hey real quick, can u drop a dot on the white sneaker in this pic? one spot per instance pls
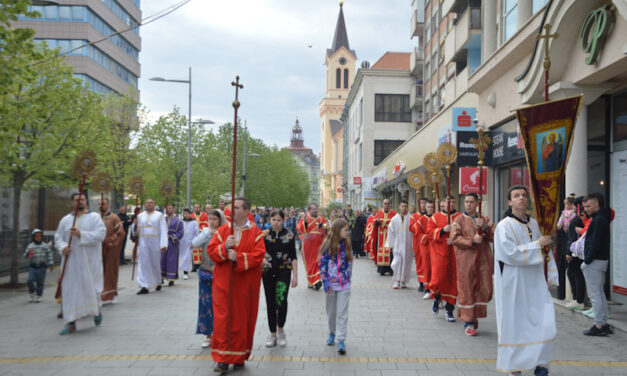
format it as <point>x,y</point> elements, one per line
<point>32,298</point>
<point>396,285</point>
<point>427,296</point>
<point>37,299</point>
<point>403,285</point>
<point>206,343</point>
<point>115,299</point>
<point>271,341</point>
<point>572,303</point>
<point>185,276</point>
<point>282,340</point>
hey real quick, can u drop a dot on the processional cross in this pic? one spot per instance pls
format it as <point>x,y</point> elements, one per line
<point>481,143</point>
<point>547,59</point>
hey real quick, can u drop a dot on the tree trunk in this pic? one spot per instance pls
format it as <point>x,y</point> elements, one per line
<point>15,247</point>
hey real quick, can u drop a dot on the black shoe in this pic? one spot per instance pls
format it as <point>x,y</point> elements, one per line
<point>436,306</point>
<point>594,331</point>
<point>142,291</point>
<point>60,315</point>
<point>421,288</point>
<point>158,288</point>
<point>184,272</point>
<point>608,328</point>
<point>221,368</point>
<point>238,366</point>
<point>317,285</point>
<point>171,283</point>
<point>122,262</point>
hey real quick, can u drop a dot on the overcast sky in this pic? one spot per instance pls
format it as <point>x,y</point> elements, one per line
<point>266,43</point>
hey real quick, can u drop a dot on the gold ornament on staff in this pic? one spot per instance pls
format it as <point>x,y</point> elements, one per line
<point>166,190</point>
<point>416,180</point>
<point>432,163</point>
<point>102,183</point>
<point>136,186</point>
<point>481,143</point>
<point>448,155</point>
<point>83,165</point>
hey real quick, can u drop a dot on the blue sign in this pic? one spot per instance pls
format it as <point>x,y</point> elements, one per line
<point>463,118</point>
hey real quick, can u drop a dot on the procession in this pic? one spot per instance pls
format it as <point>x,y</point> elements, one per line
<point>461,214</point>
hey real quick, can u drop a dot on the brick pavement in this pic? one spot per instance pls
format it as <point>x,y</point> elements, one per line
<point>390,332</point>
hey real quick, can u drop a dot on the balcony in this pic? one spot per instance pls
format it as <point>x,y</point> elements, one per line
<point>465,34</point>
<point>417,22</point>
<point>416,96</point>
<point>416,61</point>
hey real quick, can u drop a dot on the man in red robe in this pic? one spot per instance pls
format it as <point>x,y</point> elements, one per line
<point>238,259</point>
<point>202,219</point>
<point>418,232</point>
<point>312,233</point>
<point>443,283</point>
<point>368,237</point>
<point>378,234</point>
<point>425,248</point>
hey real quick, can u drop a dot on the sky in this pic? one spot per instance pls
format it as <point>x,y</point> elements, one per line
<point>277,47</point>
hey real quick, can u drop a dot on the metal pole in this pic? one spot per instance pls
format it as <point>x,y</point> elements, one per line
<point>243,193</point>
<point>189,144</point>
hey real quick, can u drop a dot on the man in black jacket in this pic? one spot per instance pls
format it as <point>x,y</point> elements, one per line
<point>358,229</point>
<point>596,256</point>
<point>126,223</point>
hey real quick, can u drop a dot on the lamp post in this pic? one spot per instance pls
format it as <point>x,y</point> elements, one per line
<point>243,191</point>
<point>189,132</point>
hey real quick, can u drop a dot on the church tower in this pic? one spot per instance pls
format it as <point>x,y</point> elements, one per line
<point>340,63</point>
<point>297,141</point>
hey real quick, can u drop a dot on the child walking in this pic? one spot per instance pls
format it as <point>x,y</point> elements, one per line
<point>336,267</point>
<point>40,257</point>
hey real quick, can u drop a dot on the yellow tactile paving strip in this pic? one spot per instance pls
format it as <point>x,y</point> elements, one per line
<point>304,359</point>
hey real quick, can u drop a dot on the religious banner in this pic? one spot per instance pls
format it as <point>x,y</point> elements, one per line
<point>547,130</point>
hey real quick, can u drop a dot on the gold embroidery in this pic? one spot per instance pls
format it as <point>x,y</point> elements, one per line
<point>230,352</point>
<point>245,261</point>
<point>526,344</point>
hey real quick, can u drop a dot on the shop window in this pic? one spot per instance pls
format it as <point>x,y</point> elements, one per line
<point>383,148</point>
<point>392,108</point>
<point>620,117</point>
<point>516,174</point>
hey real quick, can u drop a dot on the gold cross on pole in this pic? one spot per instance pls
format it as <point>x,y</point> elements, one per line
<point>547,59</point>
<point>481,143</point>
<point>237,87</point>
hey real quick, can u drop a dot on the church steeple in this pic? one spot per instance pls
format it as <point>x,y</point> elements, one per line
<point>340,38</point>
<point>297,140</point>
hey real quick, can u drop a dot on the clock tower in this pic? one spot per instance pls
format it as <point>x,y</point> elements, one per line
<point>340,71</point>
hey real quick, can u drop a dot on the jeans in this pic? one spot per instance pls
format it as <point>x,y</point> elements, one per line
<point>337,312</point>
<point>595,278</point>
<point>36,279</point>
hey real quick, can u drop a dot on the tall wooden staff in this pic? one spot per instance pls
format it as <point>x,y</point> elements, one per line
<point>83,165</point>
<point>481,144</point>
<point>235,107</point>
<point>448,155</point>
<point>136,185</point>
<point>102,183</point>
<point>433,163</point>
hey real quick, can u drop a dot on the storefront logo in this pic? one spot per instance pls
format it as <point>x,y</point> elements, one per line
<point>462,118</point>
<point>595,29</point>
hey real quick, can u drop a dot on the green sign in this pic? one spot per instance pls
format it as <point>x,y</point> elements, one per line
<point>595,29</point>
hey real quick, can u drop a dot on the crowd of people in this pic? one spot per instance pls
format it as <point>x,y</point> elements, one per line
<point>234,249</point>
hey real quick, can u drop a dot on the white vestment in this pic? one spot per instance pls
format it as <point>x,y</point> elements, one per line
<point>190,231</point>
<point>153,235</point>
<point>525,315</point>
<point>400,240</point>
<point>83,279</point>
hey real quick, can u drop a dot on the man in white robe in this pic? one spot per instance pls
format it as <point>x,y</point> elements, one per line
<point>399,240</point>
<point>190,231</point>
<point>153,240</point>
<point>82,282</point>
<point>525,315</point>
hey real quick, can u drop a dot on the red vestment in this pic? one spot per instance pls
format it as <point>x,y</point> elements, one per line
<point>312,234</point>
<point>474,267</point>
<point>443,267</point>
<point>368,239</point>
<point>203,221</point>
<point>246,280</point>
<point>415,227</point>
<point>425,249</point>
<point>377,235</point>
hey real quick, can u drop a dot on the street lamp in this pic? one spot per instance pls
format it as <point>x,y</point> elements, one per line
<point>189,132</point>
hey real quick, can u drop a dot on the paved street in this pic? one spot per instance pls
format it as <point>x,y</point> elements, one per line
<point>390,332</point>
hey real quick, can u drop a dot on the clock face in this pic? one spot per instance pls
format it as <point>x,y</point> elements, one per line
<point>342,60</point>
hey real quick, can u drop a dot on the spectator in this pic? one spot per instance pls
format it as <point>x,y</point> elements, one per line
<point>358,229</point>
<point>40,257</point>
<point>126,222</point>
<point>575,275</point>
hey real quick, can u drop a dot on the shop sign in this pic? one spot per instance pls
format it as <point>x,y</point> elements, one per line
<point>507,144</point>
<point>399,168</point>
<point>380,178</point>
<point>596,28</point>
<point>469,180</point>
<point>463,118</point>
<point>357,180</point>
<point>371,196</point>
<point>467,155</point>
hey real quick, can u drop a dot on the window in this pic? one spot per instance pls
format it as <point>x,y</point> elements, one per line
<point>345,78</point>
<point>383,148</point>
<point>510,15</point>
<point>475,18</point>
<point>392,107</point>
<point>338,78</point>
<point>538,4</point>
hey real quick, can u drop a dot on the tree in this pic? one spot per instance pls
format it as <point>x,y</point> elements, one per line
<point>47,117</point>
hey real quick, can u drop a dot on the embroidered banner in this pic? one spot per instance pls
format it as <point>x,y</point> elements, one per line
<point>547,131</point>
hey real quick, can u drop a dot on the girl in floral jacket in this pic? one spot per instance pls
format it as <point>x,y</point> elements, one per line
<point>336,267</point>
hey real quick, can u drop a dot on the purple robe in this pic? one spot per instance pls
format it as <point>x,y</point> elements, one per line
<point>170,259</point>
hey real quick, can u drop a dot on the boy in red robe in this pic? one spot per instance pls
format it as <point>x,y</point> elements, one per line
<point>443,283</point>
<point>240,254</point>
<point>418,231</point>
<point>425,248</point>
<point>312,232</point>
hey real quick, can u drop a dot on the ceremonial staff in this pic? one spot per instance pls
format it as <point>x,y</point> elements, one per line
<point>102,184</point>
<point>432,163</point>
<point>481,144</point>
<point>235,107</point>
<point>83,165</point>
<point>137,187</point>
<point>166,191</point>
<point>447,153</point>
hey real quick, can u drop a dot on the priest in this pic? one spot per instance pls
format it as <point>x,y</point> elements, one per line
<point>378,234</point>
<point>170,258</point>
<point>239,257</point>
<point>417,226</point>
<point>152,234</point>
<point>443,284</point>
<point>111,247</point>
<point>82,282</point>
<point>471,236</point>
<point>311,229</point>
<point>525,315</point>
<point>399,242</point>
